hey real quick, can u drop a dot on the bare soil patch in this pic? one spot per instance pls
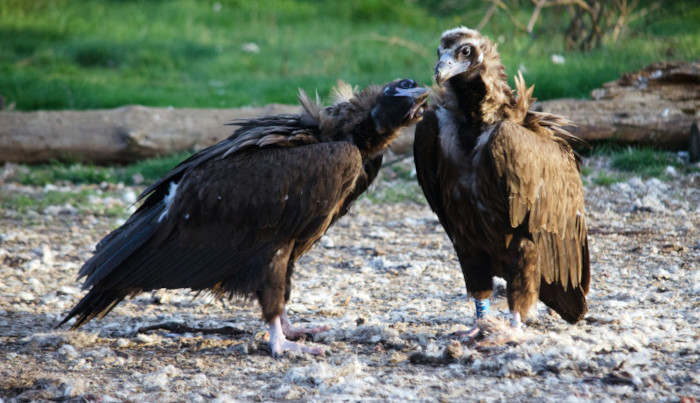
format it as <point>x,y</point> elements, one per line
<point>388,283</point>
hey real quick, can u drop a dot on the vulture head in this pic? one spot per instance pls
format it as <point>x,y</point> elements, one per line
<point>373,117</point>
<point>401,103</point>
<point>461,52</point>
<point>469,65</point>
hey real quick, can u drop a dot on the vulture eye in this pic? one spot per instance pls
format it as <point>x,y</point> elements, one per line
<point>407,84</point>
<point>465,51</point>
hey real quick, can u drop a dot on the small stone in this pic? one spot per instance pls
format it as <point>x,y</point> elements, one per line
<point>46,255</point>
<point>397,357</point>
<point>25,297</point>
<point>144,338</point>
<point>66,290</point>
<point>137,178</point>
<point>129,196</point>
<point>68,351</point>
<point>558,59</point>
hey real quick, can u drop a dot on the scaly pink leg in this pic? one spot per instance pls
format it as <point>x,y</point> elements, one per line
<point>488,332</point>
<point>471,333</point>
<point>279,344</point>
<point>294,333</point>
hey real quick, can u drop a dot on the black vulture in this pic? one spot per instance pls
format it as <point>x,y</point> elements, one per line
<point>504,182</point>
<point>233,218</point>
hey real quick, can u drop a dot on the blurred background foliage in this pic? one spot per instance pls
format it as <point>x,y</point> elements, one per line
<point>68,54</point>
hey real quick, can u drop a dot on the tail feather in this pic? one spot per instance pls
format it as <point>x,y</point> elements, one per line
<point>570,304</point>
<point>120,244</point>
<point>111,252</point>
<point>92,305</point>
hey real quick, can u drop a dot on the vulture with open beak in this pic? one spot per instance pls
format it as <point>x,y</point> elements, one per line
<point>504,183</point>
<point>233,218</point>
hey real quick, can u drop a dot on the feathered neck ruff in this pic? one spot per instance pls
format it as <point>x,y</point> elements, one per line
<point>349,118</point>
<point>485,98</point>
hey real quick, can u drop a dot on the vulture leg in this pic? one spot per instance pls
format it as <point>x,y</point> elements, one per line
<point>291,332</point>
<point>478,274</point>
<point>294,333</point>
<point>478,277</point>
<point>273,295</point>
<point>522,277</point>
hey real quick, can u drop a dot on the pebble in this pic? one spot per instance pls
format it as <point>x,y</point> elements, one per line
<point>145,338</point>
<point>46,255</point>
<point>67,290</point>
<point>68,351</point>
<point>129,196</point>
<point>640,325</point>
<point>25,297</point>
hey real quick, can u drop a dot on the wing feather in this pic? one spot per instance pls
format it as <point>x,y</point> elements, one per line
<point>543,186</point>
<point>425,153</point>
<point>227,219</point>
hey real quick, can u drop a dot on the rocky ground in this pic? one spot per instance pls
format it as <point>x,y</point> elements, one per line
<point>387,281</point>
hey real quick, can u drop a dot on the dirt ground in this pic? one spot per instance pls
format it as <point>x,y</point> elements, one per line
<point>388,283</point>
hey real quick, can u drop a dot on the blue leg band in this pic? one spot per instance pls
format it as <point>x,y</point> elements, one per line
<point>483,307</point>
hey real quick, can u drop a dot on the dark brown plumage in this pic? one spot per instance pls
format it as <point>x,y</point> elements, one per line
<point>233,218</point>
<point>504,182</point>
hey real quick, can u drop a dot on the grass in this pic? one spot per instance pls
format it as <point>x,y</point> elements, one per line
<point>93,177</point>
<point>83,201</point>
<point>643,162</point>
<point>145,171</point>
<point>394,192</point>
<point>604,178</point>
<point>63,54</point>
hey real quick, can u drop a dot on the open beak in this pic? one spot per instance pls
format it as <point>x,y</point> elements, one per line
<point>447,68</point>
<point>419,95</point>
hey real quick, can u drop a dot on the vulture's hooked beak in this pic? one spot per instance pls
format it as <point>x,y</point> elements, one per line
<point>447,68</point>
<point>419,96</point>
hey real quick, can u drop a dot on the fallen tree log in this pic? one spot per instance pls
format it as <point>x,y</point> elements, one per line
<point>655,106</point>
<point>119,135</point>
<point>646,123</point>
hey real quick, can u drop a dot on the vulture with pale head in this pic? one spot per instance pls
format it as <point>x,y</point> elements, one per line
<point>504,183</point>
<point>233,218</point>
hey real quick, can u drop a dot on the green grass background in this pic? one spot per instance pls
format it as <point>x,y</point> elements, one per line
<point>86,54</point>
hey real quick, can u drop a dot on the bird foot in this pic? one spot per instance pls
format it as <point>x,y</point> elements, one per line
<point>491,332</point>
<point>294,333</point>
<point>472,336</point>
<point>278,338</point>
<point>471,333</point>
